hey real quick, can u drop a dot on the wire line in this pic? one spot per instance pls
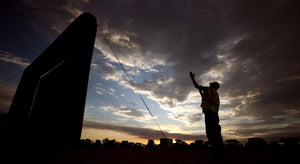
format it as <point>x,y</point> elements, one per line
<point>132,83</point>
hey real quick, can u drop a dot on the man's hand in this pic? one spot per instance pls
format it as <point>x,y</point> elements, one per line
<point>192,75</point>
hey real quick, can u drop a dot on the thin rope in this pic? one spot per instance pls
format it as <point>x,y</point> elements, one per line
<point>121,65</point>
<point>131,82</point>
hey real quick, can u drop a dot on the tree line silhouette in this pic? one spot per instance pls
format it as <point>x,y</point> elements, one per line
<point>253,144</point>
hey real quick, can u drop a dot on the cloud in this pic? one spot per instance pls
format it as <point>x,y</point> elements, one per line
<point>188,118</point>
<point>99,90</point>
<point>252,54</point>
<point>291,78</point>
<point>6,96</point>
<point>139,115</point>
<point>251,47</point>
<point>267,129</point>
<point>57,14</point>
<point>145,133</point>
<point>152,50</point>
<point>189,114</point>
<point>12,58</point>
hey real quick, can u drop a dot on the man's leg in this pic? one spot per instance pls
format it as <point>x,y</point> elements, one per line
<point>210,128</point>
<point>213,132</point>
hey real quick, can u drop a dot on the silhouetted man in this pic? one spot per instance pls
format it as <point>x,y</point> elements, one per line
<point>210,105</point>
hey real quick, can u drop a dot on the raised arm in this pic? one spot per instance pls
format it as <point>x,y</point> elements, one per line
<point>192,75</point>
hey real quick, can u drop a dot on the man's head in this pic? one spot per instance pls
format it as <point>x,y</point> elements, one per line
<point>215,85</point>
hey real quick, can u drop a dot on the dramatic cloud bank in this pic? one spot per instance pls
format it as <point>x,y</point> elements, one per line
<point>145,133</point>
<point>250,47</point>
<point>12,58</point>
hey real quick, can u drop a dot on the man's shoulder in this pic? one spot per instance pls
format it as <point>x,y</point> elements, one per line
<point>203,88</point>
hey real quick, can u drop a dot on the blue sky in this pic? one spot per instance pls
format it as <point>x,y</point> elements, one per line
<point>250,47</point>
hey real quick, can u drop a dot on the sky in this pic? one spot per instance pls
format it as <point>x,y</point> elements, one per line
<point>251,47</point>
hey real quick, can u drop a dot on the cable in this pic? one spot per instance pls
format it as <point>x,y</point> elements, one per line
<point>131,82</point>
<point>121,65</point>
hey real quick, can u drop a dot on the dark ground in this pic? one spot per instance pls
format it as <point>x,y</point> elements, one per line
<point>134,156</point>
